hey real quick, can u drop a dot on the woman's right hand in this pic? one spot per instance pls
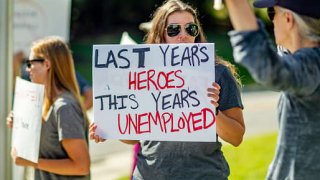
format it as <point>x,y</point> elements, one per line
<point>92,133</point>
<point>213,94</point>
<point>10,120</point>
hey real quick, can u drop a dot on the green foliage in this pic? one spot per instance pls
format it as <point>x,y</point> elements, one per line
<point>251,159</point>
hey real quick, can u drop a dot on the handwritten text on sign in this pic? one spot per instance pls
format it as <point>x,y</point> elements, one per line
<point>27,110</point>
<point>154,92</point>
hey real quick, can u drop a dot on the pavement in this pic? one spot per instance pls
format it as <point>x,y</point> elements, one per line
<point>112,159</point>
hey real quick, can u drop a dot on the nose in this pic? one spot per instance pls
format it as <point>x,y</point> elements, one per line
<point>183,32</point>
<point>182,35</point>
<point>28,69</point>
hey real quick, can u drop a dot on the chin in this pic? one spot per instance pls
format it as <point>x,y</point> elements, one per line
<point>35,81</point>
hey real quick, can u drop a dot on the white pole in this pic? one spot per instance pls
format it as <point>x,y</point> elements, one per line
<point>6,44</point>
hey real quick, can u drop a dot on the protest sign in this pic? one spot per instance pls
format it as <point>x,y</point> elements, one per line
<point>154,92</point>
<point>27,110</point>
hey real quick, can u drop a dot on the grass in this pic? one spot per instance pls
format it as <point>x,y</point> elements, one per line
<point>250,160</point>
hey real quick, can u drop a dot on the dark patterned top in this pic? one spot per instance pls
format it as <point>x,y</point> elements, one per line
<point>297,76</point>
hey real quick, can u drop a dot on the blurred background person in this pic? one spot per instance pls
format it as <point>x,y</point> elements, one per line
<point>64,152</point>
<point>20,69</point>
<point>295,73</point>
<point>85,91</point>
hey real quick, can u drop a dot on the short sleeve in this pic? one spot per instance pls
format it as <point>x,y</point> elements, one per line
<point>230,92</point>
<point>70,123</point>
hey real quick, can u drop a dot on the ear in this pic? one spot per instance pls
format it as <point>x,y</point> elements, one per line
<point>47,64</point>
<point>289,20</point>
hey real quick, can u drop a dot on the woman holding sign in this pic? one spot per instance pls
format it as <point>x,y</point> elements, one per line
<point>63,152</point>
<point>176,22</point>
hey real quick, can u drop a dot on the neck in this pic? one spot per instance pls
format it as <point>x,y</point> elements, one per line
<point>298,42</point>
<point>302,44</point>
<point>56,92</point>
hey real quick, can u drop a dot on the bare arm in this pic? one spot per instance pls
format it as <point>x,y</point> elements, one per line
<point>130,141</point>
<point>230,126</point>
<point>230,123</point>
<point>78,162</point>
<point>241,15</point>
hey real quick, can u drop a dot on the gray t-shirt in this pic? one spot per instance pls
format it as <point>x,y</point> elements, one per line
<point>163,160</point>
<point>297,76</point>
<point>64,121</point>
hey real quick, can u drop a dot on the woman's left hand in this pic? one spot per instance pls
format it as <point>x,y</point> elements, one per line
<point>93,135</point>
<point>213,93</point>
<point>10,120</point>
<point>20,161</point>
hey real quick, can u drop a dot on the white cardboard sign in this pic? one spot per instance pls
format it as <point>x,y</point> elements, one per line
<point>27,110</point>
<point>154,92</point>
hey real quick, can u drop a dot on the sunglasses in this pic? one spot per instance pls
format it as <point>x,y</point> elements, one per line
<point>30,61</point>
<point>271,13</point>
<point>174,29</point>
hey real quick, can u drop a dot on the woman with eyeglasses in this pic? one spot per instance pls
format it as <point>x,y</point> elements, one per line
<point>63,152</point>
<point>177,22</point>
<point>296,74</point>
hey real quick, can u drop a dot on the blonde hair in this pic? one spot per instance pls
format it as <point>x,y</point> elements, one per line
<point>61,73</point>
<point>159,22</point>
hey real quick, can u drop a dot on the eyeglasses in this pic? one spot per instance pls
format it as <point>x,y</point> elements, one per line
<point>30,61</point>
<point>271,13</point>
<point>174,29</point>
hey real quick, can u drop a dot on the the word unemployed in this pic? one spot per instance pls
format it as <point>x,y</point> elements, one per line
<point>154,92</point>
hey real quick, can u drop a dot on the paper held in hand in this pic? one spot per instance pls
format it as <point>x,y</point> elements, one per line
<point>27,111</point>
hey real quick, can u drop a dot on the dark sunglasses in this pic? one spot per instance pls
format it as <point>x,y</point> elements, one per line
<point>30,61</point>
<point>271,13</point>
<point>174,29</point>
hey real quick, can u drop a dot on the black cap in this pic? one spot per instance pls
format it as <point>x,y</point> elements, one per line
<point>309,8</point>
